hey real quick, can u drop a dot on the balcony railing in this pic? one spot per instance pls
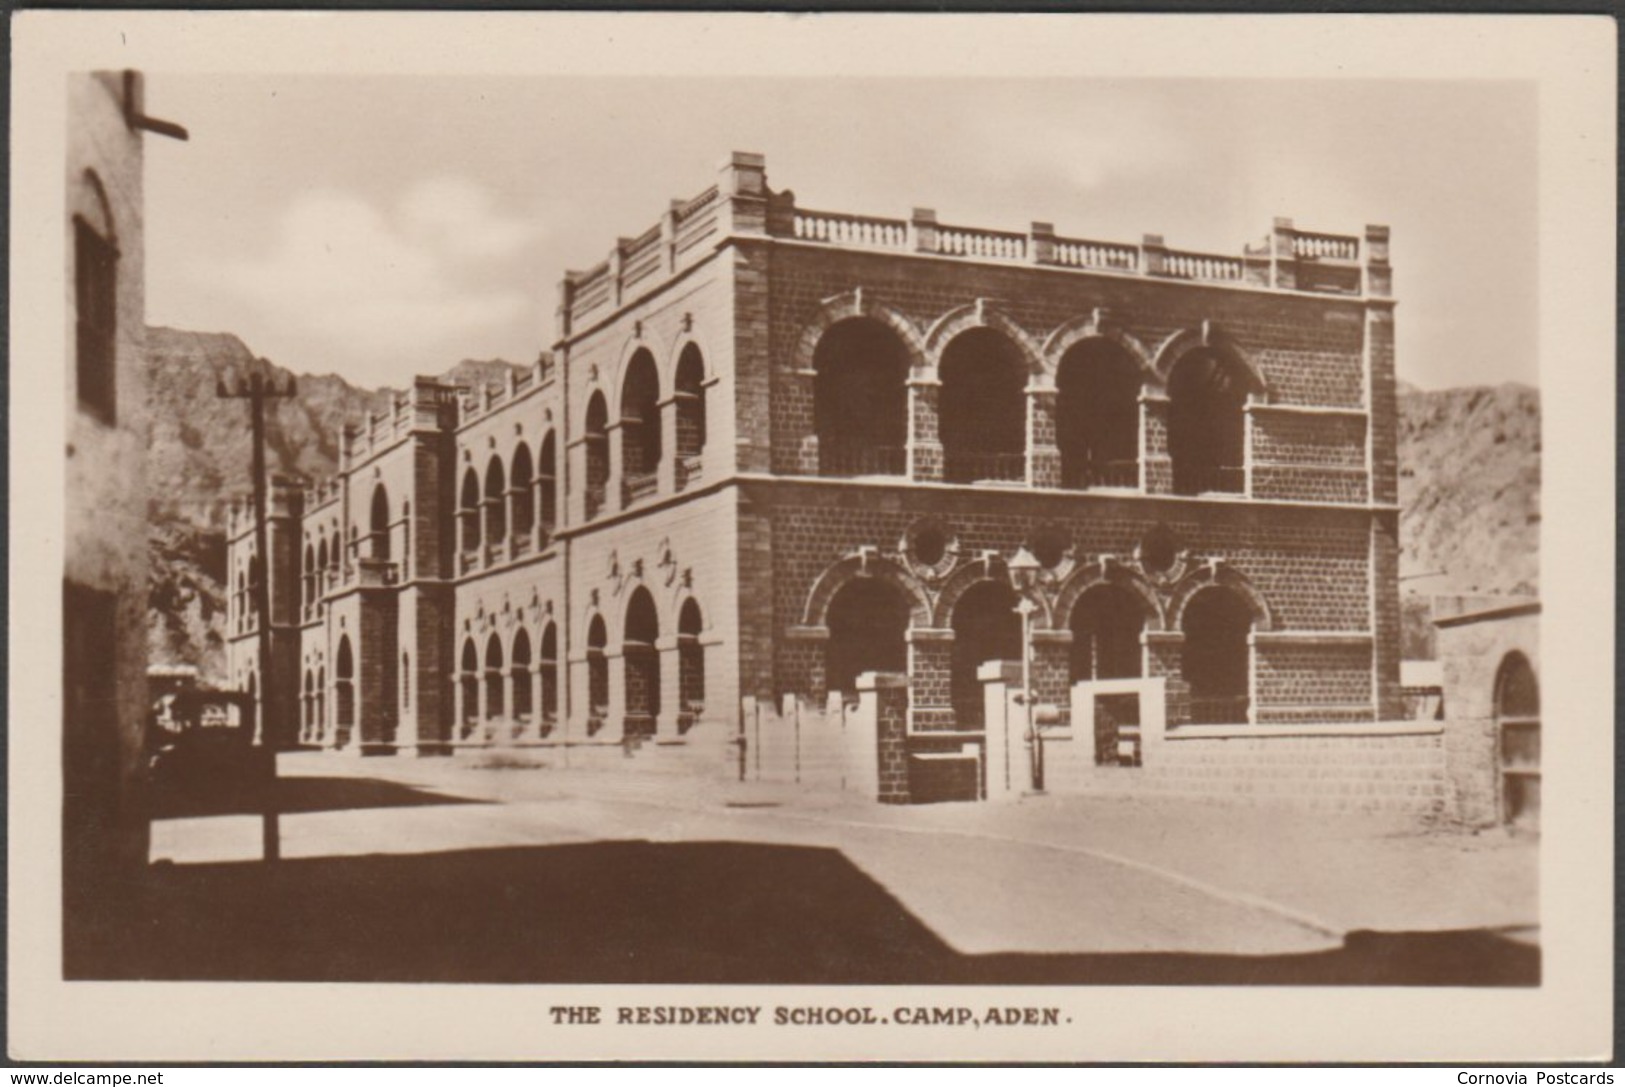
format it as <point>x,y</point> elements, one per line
<point>1209,479</point>
<point>964,467</point>
<point>521,545</point>
<point>468,561</point>
<point>639,486</point>
<point>1100,473</point>
<point>1219,710</point>
<point>862,460</point>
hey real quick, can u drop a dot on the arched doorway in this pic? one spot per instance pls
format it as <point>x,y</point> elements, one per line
<point>378,524</point>
<point>983,413</point>
<point>494,707</point>
<point>690,665</point>
<point>860,400</point>
<point>522,498</point>
<point>689,389</point>
<point>468,511</point>
<point>597,675</point>
<point>1097,416</point>
<point>1517,725</point>
<point>496,503</point>
<point>642,664</point>
<point>547,486</point>
<point>1217,661</point>
<point>986,628</point>
<point>868,623</point>
<point>550,678</point>
<point>520,670</point>
<point>344,694</point>
<point>640,428</point>
<point>469,690</point>
<point>1207,428</point>
<point>1107,622</point>
<point>595,440</point>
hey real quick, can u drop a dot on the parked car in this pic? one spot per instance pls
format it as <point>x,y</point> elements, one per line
<point>202,754</point>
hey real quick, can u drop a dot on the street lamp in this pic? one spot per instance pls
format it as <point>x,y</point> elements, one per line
<point>1024,569</point>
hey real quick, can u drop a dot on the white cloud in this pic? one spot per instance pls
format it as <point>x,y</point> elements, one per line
<point>378,292</point>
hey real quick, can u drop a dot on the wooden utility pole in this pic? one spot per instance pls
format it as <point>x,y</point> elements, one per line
<point>257,389</point>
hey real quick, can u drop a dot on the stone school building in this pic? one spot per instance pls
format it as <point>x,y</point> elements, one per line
<point>770,503</point>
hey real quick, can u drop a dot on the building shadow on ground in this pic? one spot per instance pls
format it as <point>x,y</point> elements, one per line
<point>295,795</point>
<point>644,912</point>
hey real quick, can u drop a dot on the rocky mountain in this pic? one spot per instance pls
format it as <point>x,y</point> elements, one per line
<point>1469,486</point>
<point>1469,495</point>
<point>198,453</point>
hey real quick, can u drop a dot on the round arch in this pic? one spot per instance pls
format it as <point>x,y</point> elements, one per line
<point>1208,338</point>
<point>1096,574</point>
<point>1218,574</point>
<point>837,574</point>
<point>980,315</point>
<point>857,303</point>
<point>974,573</point>
<point>1083,329</point>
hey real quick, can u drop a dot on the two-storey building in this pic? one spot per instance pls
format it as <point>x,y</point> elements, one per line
<point>773,449</point>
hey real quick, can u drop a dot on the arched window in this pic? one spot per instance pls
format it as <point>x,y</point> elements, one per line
<point>344,692</point>
<point>595,436</point>
<point>519,488</point>
<point>547,484</point>
<point>494,708</point>
<point>312,572</point>
<point>860,400</point>
<point>550,678</point>
<point>986,628</point>
<point>321,566</point>
<point>378,524</point>
<point>1107,622</point>
<point>1517,714</point>
<point>496,503</point>
<point>1207,428</point>
<point>469,689</point>
<point>520,669</point>
<point>468,511</point>
<point>1217,661</point>
<point>642,664</point>
<point>868,622</point>
<point>95,305</point>
<point>640,428</point>
<point>597,675</point>
<point>983,408</point>
<point>690,665</point>
<point>1097,416</point>
<point>690,393</point>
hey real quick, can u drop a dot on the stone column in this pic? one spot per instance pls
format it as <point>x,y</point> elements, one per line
<point>924,435</point>
<point>614,492</point>
<point>1043,454</point>
<point>882,700</point>
<point>615,718</point>
<point>669,470</point>
<point>671,704</point>
<point>1052,667</point>
<point>1157,467</point>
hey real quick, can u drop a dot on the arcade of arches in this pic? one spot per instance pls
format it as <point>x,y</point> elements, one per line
<point>869,630</point>
<point>971,422</point>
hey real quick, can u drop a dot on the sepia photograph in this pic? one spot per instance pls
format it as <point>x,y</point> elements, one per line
<point>612,549</point>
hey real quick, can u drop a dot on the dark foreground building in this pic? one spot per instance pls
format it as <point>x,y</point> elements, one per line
<point>774,449</point>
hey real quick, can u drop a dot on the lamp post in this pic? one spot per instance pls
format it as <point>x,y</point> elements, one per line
<point>1024,568</point>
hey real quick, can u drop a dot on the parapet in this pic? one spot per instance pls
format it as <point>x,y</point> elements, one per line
<point>742,204</point>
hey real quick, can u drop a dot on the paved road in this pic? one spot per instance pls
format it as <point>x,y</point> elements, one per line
<point>651,878</point>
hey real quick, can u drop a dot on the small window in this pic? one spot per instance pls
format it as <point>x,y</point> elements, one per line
<point>95,292</point>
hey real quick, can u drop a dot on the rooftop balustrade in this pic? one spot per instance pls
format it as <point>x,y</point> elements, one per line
<point>741,204</point>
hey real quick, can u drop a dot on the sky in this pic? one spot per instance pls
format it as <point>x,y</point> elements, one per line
<point>381,226</point>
